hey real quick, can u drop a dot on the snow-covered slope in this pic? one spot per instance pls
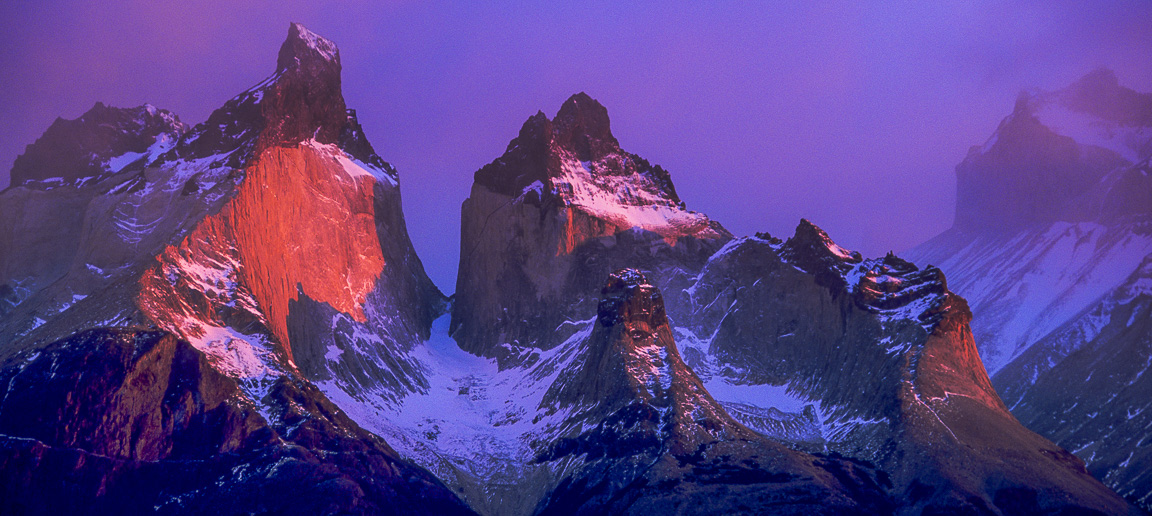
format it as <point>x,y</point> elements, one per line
<point>1086,385</point>
<point>475,425</point>
<point>591,412</point>
<point>1025,284</point>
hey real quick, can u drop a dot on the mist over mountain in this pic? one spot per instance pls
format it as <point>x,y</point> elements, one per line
<point>1051,247</point>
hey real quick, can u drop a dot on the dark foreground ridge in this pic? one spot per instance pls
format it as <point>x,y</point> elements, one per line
<point>129,421</point>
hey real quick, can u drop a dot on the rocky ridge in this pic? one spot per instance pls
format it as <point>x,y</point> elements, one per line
<point>653,438</point>
<point>102,141</point>
<point>795,326</point>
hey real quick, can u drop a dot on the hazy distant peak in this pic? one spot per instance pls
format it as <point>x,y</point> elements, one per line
<point>1098,94</point>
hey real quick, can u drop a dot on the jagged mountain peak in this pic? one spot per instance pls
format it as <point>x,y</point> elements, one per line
<point>575,146</point>
<point>645,419</point>
<point>631,357</point>
<point>810,238</point>
<point>1068,155</point>
<point>301,101</point>
<point>305,48</point>
<point>1099,82</point>
<point>1099,94</point>
<point>104,139</point>
<point>1089,111</point>
<point>813,251</point>
<point>582,125</point>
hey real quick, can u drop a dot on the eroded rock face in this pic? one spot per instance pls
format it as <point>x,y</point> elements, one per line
<point>314,234</point>
<point>561,209</point>
<point>129,420</point>
<point>270,232</point>
<point>655,438</point>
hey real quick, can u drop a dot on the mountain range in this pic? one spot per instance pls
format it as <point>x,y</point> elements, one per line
<point>231,317</point>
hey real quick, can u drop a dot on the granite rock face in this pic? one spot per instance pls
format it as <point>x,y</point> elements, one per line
<point>560,210</point>
<point>268,246</point>
<point>273,227</point>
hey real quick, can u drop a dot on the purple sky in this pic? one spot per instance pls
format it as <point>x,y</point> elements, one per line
<point>764,112</point>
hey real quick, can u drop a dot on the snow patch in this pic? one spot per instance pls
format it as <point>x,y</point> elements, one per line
<point>1027,285</point>
<point>164,143</point>
<point>780,397</point>
<point>352,167</point>
<point>473,417</point>
<point>630,201</point>
<point>325,48</point>
<point>1086,129</point>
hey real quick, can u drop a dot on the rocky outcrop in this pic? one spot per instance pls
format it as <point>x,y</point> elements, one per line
<point>561,209</point>
<point>653,438</point>
<point>128,421</point>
